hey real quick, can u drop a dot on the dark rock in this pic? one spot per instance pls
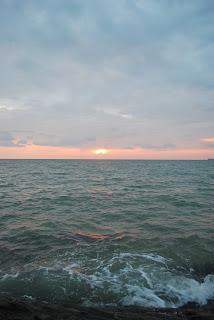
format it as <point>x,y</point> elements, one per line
<point>24,309</point>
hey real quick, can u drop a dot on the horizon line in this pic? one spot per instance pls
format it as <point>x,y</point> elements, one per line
<point>106,159</point>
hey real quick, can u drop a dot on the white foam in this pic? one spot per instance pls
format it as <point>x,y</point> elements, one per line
<point>177,292</point>
<point>128,279</point>
<point>12,276</point>
<point>29,297</point>
<point>149,256</point>
<point>143,285</point>
<point>155,257</point>
<point>189,290</point>
<point>142,297</point>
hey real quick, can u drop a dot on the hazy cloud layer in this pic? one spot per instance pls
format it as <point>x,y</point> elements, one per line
<point>7,140</point>
<point>107,73</point>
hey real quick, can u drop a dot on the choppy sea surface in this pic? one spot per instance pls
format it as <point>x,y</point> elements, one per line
<point>107,232</point>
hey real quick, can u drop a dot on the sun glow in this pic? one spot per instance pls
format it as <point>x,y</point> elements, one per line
<point>208,139</point>
<point>100,151</point>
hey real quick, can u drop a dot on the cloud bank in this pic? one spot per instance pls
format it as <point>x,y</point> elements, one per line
<point>93,74</point>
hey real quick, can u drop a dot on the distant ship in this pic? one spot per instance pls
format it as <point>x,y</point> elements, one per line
<point>211,159</point>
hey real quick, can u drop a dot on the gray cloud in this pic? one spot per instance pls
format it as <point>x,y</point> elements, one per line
<point>48,140</point>
<point>75,69</point>
<point>22,142</point>
<point>210,145</point>
<point>128,148</point>
<point>6,140</point>
<point>160,147</point>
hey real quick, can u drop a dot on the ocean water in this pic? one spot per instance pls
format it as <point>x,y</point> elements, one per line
<point>107,232</point>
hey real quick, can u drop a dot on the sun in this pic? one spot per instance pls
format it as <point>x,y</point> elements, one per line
<point>100,151</point>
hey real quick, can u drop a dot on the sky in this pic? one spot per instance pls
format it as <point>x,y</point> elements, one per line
<point>106,79</point>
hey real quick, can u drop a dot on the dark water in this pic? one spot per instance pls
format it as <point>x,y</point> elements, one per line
<point>107,231</point>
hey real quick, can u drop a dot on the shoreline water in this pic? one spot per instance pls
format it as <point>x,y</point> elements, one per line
<point>28,309</point>
<point>107,233</point>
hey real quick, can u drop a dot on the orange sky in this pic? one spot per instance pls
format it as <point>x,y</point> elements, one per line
<point>50,152</point>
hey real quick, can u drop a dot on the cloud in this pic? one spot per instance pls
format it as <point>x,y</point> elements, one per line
<point>209,142</point>
<point>208,139</point>
<point>148,65</point>
<point>128,148</point>
<point>7,140</point>
<point>22,142</point>
<point>160,147</point>
<point>114,112</point>
<point>55,141</point>
<point>211,146</point>
<point>127,116</point>
<point>6,108</point>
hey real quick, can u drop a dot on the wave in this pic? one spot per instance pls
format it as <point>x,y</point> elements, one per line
<point>148,280</point>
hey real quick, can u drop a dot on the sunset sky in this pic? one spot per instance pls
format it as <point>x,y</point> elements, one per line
<point>102,79</point>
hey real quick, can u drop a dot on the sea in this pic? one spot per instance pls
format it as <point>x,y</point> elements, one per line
<point>107,232</point>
